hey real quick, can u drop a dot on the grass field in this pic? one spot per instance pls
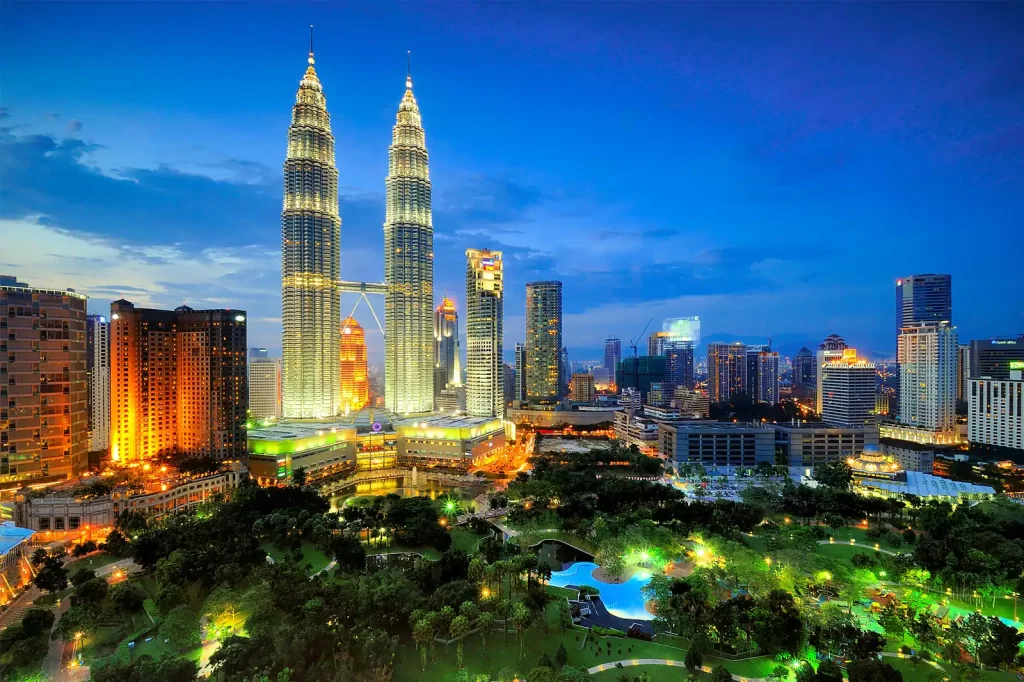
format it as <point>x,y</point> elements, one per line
<point>530,539</point>
<point>310,555</point>
<point>466,540</point>
<point>654,673</point>
<point>92,561</point>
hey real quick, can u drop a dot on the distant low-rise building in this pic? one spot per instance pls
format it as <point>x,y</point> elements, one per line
<point>811,444</point>
<point>715,444</point>
<point>550,416</point>
<point>908,455</point>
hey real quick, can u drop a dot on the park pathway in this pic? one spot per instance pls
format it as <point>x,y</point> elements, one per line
<point>662,661</point>
<point>858,544</point>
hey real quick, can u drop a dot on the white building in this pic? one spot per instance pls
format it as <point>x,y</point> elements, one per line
<point>264,388</point>
<point>98,334</point>
<point>847,390</point>
<point>994,418</point>
<point>485,373</point>
<point>927,355</point>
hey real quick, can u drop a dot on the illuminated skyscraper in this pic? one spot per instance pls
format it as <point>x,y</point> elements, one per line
<point>830,350</point>
<point>848,390</point>
<point>924,298</point>
<point>727,371</point>
<point>310,253</point>
<point>520,386</point>
<point>612,355</point>
<point>178,382</point>
<point>408,266</point>
<point>97,334</point>
<point>264,387</point>
<point>927,357</point>
<point>543,340</point>
<point>43,392</point>
<point>683,329</point>
<point>446,347</point>
<point>485,311</point>
<point>355,387</point>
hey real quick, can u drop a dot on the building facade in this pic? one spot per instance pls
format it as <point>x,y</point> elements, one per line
<point>485,329</point>
<point>924,299</point>
<point>408,266</point>
<point>612,356</point>
<point>679,362</point>
<point>43,387</point>
<point>691,404</point>
<point>927,355</point>
<point>310,259</point>
<point>848,390</point>
<point>656,342</point>
<point>963,370</point>
<point>178,382</point>
<point>354,377</point>
<point>683,329</point>
<point>831,349</point>
<point>992,357</point>
<point>640,373</point>
<point>909,456</point>
<point>714,445</point>
<point>509,383</point>
<point>810,444</point>
<point>763,375</point>
<point>264,385</point>
<point>995,422</point>
<point>727,371</point>
<point>543,340</point>
<point>97,333</point>
<point>581,388</point>
<point>520,369</point>
<point>805,374</point>
<point>446,347</point>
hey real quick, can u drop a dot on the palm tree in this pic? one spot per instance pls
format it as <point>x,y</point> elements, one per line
<point>504,609</point>
<point>520,620</point>
<point>485,621</point>
<point>423,634</point>
<point>459,628</point>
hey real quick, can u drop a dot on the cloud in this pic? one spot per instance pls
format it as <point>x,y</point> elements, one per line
<point>74,126</point>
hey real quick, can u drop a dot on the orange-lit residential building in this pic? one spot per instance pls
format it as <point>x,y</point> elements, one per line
<point>43,388</point>
<point>355,387</point>
<point>177,382</point>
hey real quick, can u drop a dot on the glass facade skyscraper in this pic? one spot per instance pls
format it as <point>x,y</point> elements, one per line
<point>408,266</point>
<point>446,347</point>
<point>543,340</point>
<point>926,299</point>
<point>310,259</point>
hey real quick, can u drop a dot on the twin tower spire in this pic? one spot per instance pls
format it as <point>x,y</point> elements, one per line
<point>311,256</point>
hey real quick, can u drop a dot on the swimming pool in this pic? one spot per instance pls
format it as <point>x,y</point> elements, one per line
<point>621,599</point>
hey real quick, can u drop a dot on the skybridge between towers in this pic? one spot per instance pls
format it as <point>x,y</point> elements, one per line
<point>364,288</point>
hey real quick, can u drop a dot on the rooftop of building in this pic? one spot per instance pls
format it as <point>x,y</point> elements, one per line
<point>9,282</point>
<point>705,426</point>
<point>11,536</point>
<point>911,445</point>
<point>366,420</point>
<point>800,425</point>
<point>927,485</point>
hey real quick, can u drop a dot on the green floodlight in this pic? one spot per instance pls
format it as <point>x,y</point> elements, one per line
<point>449,506</point>
<point>644,556</point>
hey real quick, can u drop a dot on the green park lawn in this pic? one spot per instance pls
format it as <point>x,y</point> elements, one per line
<point>655,673</point>
<point>844,553</point>
<point>529,539</point>
<point>92,562</point>
<point>544,520</point>
<point>310,555</point>
<point>466,540</point>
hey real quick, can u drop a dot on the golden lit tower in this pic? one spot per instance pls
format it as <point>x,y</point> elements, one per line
<point>485,312</point>
<point>310,254</point>
<point>355,388</point>
<point>408,266</point>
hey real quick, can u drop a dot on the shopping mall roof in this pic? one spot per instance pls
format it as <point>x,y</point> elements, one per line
<point>926,485</point>
<point>11,536</point>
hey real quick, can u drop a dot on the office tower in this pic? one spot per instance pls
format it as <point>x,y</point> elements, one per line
<point>178,382</point>
<point>97,334</point>
<point>804,374</point>
<point>310,253</point>
<point>43,393</point>
<point>992,357</point>
<point>927,357</point>
<point>520,388</point>
<point>995,420</point>
<point>446,346</point>
<point>354,377</point>
<point>848,390</point>
<point>509,382</point>
<point>612,356</point>
<point>830,349</point>
<point>258,353</point>
<point>564,372</point>
<point>679,362</point>
<point>963,371</point>
<point>683,329</point>
<point>926,299</point>
<point>656,342</point>
<point>881,404</point>
<point>264,379</point>
<point>661,394</point>
<point>640,373</point>
<point>581,388</point>
<point>763,375</point>
<point>485,312</point>
<point>543,340</point>
<point>408,266</point>
<point>727,371</point>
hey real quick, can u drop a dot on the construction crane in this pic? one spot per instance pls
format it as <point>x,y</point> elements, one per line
<point>636,362</point>
<point>632,343</point>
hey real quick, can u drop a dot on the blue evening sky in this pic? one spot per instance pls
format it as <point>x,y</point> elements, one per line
<point>773,168</point>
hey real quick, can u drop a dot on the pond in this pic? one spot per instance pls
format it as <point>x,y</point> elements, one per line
<point>558,556</point>
<point>624,599</point>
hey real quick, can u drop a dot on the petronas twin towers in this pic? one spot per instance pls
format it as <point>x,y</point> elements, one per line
<point>310,262</point>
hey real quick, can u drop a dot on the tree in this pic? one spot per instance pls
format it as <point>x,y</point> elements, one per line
<point>145,669</point>
<point>485,623</point>
<point>835,474</point>
<point>423,634</point>
<point>561,655</point>
<point>520,621</point>
<point>1002,644</point>
<point>892,621</point>
<point>542,674</point>
<point>38,557</point>
<point>51,576</point>
<point>127,597</point>
<point>571,674</point>
<point>694,659</point>
<point>180,628</point>
<point>828,671</point>
<point>720,674</point>
<point>872,670</point>
<point>348,552</point>
<point>91,592</point>
<point>82,576</point>
<point>459,627</point>
<point>805,672</point>
<point>299,476</point>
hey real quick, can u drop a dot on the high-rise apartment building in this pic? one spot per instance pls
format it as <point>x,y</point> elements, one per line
<point>543,340</point>
<point>679,362</point>
<point>848,390</point>
<point>355,384</point>
<point>727,371</point>
<point>927,357</point>
<point>97,334</point>
<point>408,266</point>
<point>178,382</point>
<point>995,420</point>
<point>691,404</point>
<point>763,375</point>
<point>310,259</point>
<point>509,382</point>
<point>656,342</point>
<point>830,349</point>
<point>612,355</point>
<point>804,374</point>
<point>581,388</point>
<point>485,312</point>
<point>992,357</point>
<point>43,387</point>
<point>563,372</point>
<point>264,380</point>
<point>963,371</point>
<point>925,299</point>
<point>446,347</point>
<point>520,387</point>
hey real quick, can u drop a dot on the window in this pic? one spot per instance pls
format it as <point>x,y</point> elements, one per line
<point>58,523</point>
<point>44,523</point>
<point>73,522</point>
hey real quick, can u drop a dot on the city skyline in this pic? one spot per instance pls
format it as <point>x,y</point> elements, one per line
<point>211,209</point>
